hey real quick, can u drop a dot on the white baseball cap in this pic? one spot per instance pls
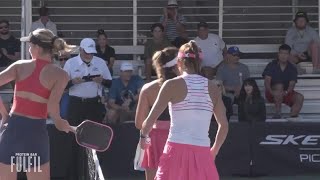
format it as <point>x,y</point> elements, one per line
<point>88,45</point>
<point>126,66</point>
<point>172,4</point>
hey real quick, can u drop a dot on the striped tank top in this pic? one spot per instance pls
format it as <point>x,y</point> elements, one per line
<point>190,118</point>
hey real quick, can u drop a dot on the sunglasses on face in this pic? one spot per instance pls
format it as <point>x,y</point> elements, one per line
<point>4,27</point>
<point>63,59</point>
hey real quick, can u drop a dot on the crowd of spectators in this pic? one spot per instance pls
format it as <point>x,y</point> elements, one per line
<point>219,63</point>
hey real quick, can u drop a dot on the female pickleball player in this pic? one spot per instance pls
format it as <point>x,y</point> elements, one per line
<point>192,100</point>
<point>165,64</point>
<point>39,85</point>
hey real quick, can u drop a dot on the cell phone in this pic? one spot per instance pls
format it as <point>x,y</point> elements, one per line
<point>90,77</point>
<point>93,76</point>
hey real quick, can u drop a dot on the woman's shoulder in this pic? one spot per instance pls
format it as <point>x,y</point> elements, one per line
<point>24,61</point>
<point>110,48</point>
<point>56,71</point>
<point>151,86</point>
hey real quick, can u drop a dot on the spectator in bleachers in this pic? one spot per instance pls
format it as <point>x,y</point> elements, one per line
<point>44,21</point>
<point>124,95</point>
<point>227,101</point>
<point>232,73</point>
<point>213,48</point>
<point>104,51</point>
<point>9,45</point>
<point>171,20</point>
<point>157,43</point>
<point>251,105</point>
<point>304,42</point>
<point>182,38</point>
<point>280,77</point>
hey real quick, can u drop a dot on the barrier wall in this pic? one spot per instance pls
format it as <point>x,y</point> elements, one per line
<point>250,149</point>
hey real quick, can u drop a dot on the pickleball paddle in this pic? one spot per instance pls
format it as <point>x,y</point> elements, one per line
<point>93,135</point>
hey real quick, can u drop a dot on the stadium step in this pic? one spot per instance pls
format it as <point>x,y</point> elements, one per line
<point>312,107</point>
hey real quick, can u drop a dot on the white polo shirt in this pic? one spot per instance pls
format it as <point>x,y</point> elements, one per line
<point>212,49</point>
<point>39,25</point>
<point>75,67</point>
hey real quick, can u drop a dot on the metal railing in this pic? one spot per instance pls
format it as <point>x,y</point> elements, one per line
<point>125,21</point>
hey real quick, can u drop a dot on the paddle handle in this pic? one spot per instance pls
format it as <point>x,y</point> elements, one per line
<point>74,129</point>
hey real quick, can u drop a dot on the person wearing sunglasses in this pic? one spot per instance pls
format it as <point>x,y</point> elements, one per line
<point>9,45</point>
<point>232,73</point>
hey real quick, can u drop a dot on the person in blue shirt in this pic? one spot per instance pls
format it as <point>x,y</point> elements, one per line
<point>280,78</point>
<point>124,95</point>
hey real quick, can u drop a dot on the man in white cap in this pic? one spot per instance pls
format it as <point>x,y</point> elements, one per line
<point>124,95</point>
<point>88,74</point>
<point>171,20</point>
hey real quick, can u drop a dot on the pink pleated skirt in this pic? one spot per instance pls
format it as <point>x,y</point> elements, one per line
<point>158,136</point>
<point>186,162</point>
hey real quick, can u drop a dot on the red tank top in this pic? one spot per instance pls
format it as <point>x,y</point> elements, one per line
<point>32,84</point>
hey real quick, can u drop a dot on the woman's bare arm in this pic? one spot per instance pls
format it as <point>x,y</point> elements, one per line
<point>164,97</point>
<point>4,114</point>
<point>220,115</point>
<point>143,107</point>
<point>54,101</point>
<point>9,74</point>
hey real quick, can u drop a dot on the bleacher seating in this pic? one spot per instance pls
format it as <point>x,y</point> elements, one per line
<point>257,27</point>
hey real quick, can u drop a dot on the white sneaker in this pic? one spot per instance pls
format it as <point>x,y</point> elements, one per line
<point>294,119</point>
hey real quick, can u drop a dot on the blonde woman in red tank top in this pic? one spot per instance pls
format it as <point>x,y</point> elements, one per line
<point>38,90</point>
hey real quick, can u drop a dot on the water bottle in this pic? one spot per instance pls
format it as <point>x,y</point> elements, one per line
<point>241,80</point>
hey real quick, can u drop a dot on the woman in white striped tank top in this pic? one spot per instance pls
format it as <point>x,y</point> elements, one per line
<point>192,99</point>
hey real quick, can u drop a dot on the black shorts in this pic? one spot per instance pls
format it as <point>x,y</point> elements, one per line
<point>24,139</point>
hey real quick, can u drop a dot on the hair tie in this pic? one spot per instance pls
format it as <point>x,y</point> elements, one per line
<point>54,39</point>
<point>190,55</point>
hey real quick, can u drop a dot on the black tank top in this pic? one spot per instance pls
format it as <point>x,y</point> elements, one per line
<point>165,116</point>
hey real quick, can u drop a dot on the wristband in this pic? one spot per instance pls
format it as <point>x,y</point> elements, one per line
<point>143,136</point>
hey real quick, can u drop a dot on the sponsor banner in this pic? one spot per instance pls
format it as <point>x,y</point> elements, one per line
<point>234,155</point>
<point>25,162</point>
<point>286,148</point>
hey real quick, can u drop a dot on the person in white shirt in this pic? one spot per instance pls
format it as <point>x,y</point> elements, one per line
<point>213,49</point>
<point>88,74</point>
<point>44,22</point>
